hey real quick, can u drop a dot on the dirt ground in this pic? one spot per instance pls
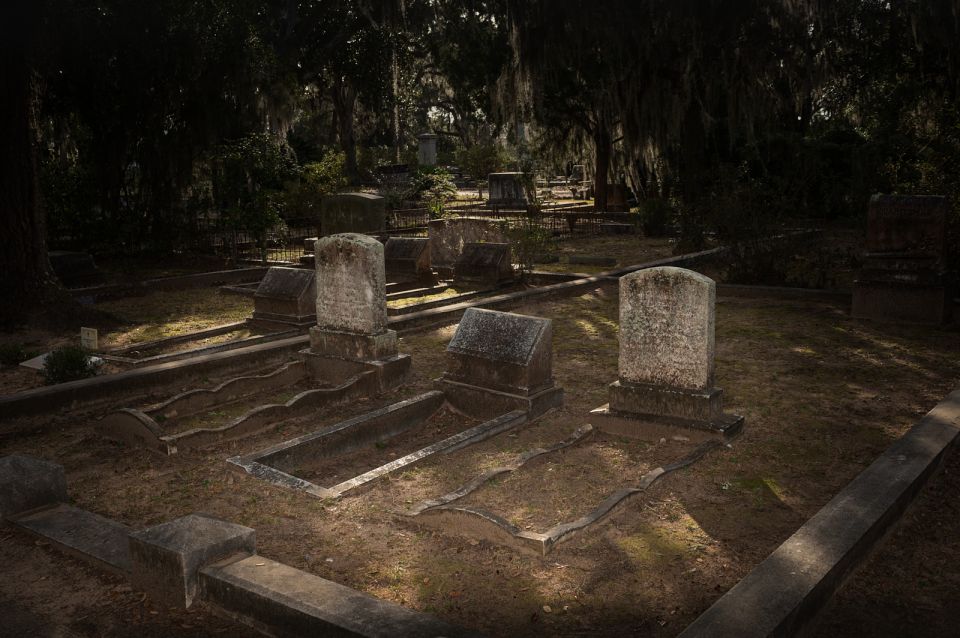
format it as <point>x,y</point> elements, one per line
<point>822,394</point>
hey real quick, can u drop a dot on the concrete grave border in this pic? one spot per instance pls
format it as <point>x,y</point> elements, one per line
<point>473,521</point>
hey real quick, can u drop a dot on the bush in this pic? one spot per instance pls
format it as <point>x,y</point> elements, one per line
<point>435,187</point>
<point>12,354</point>
<point>316,180</point>
<point>68,363</point>
<point>656,215</point>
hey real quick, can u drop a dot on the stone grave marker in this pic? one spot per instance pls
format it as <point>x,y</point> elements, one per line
<point>499,361</point>
<point>88,339</point>
<point>484,263</point>
<point>351,299</point>
<point>506,190</point>
<point>427,149</point>
<point>352,213</point>
<point>666,362</point>
<point>449,236</point>
<point>286,296</point>
<point>74,269</point>
<point>407,257</point>
<point>904,272</point>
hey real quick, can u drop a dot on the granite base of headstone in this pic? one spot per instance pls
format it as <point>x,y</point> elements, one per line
<point>484,264</point>
<point>286,297</point>
<point>408,259</point>
<point>351,335</point>
<point>904,276</point>
<point>666,363</point>
<point>506,190</point>
<point>498,362</point>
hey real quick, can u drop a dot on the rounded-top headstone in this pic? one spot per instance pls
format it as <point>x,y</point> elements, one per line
<point>667,328</point>
<point>351,284</point>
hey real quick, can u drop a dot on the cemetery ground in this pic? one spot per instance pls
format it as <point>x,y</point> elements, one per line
<point>823,396</point>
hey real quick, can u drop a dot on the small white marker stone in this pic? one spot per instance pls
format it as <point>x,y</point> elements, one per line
<point>88,338</point>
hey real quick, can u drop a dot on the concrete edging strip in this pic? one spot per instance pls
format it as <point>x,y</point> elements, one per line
<point>783,595</point>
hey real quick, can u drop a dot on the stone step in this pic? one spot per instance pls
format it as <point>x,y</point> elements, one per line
<point>283,601</point>
<point>88,536</point>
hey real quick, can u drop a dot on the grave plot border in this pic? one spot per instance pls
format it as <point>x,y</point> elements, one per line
<point>475,521</point>
<point>390,420</point>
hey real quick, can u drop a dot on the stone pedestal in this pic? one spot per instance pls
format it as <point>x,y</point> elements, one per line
<point>904,275</point>
<point>165,559</point>
<point>353,346</point>
<point>498,362</point>
<point>666,363</point>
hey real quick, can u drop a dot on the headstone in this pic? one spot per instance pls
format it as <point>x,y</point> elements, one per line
<point>506,190</point>
<point>407,257</point>
<point>578,174</point>
<point>904,272</point>
<point>308,243</point>
<point>166,559</point>
<point>666,362</point>
<point>617,198</point>
<point>352,213</point>
<point>74,269</point>
<point>427,149</point>
<point>498,361</point>
<point>88,339</point>
<point>351,299</point>
<point>449,236</point>
<point>27,483</point>
<point>286,296</point>
<point>484,263</point>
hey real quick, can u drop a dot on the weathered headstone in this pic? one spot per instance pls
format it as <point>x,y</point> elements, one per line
<point>427,149</point>
<point>167,558</point>
<point>501,361</point>
<point>904,272</point>
<point>484,263</point>
<point>449,236</point>
<point>617,198</point>
<point>27,483</point>
<point>74,269</point>
<point>88,339</point>
<point>506,190</point>
<point>286,296</point>
<point>351,299</point>
<point>666,362</point>
<point>308,243</point>
<point>407,258</point>
<point>352,213</point>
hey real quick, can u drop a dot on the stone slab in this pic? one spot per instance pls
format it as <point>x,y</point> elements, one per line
<point>901,303</point>
<point>784,594</point>
<point>88,536</point>
<point>287,295</point>
<point>484,403</point>
<point>351,346</point>
<point>351,284</point>
<point>644,399</point>
<point>352,213</point>
<point>912,224</point>
<point>653,428</point>
<point>667,328</point>
<point>502,351</point>
<point>485,263</point>
<point>165,558</point>
<point>407,256</point>
<point>27,483</point>
<point>282,601</point>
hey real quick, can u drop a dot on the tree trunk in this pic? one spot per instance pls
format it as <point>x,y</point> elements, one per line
<point>344,104</point>
<point>603,146</point>
<point>27,282</point>
<point>395,87</point>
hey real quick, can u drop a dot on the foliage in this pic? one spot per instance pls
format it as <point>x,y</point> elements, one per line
<point>68,363</point>
<point>317,179</point>
<point>529,239</point>
<point>655,215</point>
<point>435,187</point>
<point>12,354</point>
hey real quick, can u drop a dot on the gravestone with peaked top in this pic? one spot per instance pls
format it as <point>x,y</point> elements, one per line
<point>407,258</point>
<point>666,362</point>
<point>286,296</point>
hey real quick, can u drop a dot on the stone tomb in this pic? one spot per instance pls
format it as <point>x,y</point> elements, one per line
<point>286,296</point>
<point>484,263</point>
<point>352,213</point>
<point>351,332</point>
<point>427,149</point>
<point>498,362</point>
<point>407,258</point>
<point>904,274</point>
<point>449,236</point>
<point>666,362</point>
<point>507,190</point>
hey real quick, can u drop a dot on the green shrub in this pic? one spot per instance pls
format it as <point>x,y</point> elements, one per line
<point>656,215</point>
<point>12,354</point>
<point>434,187</point>
<point>68,363</point>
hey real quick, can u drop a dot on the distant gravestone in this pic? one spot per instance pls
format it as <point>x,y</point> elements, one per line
<point>484,263</point>
<point>904,272</point>
<point>286,296</point>
<point>497,359</point>
<point>351,299</point>
<point>308,243</point>
<point>407,257</point>
<point>88,339</point>
<point>667,348</point>
<point>352,213</point>
<point>74,269</point>
<point>427,149</point>
<point>506,189</point>
<point>449,236</point>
